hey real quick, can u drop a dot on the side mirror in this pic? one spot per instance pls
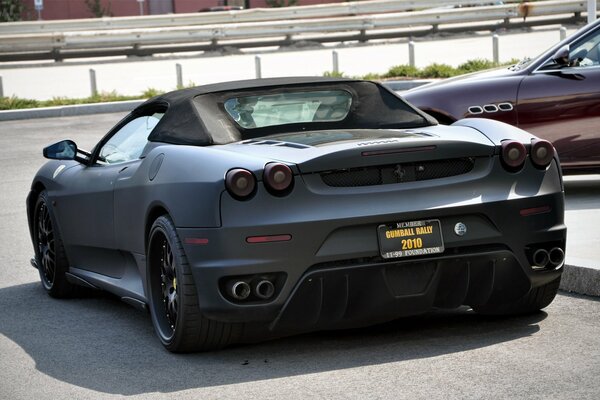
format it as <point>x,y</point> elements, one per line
<point>63,150</point>
<point>562,56</point>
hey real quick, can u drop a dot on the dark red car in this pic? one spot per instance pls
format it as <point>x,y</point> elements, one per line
<point>555,96</point>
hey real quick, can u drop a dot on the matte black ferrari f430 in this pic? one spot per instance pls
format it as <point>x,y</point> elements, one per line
<point>249,210</point>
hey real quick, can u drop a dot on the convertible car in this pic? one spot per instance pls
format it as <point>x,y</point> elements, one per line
<point>249,210</point>
<point>555,96</point>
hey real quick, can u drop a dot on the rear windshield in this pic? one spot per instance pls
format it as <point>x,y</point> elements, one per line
<point>289,108</point>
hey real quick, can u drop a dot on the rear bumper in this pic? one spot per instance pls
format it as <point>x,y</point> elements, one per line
<point>362,295</point>
<point>335,277</point>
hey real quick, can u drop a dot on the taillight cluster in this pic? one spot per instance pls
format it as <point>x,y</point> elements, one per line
<point>277,178</point>
<point>541,153</point>
<point>513,154</point>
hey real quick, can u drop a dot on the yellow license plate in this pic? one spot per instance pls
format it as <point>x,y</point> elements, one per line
<point>412,238</point>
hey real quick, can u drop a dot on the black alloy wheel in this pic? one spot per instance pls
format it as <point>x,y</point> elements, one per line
<point>50,255</point>
<point>173,298</point>
<point>168,277</point>
<point>162,279</point>
<point>45,246</point>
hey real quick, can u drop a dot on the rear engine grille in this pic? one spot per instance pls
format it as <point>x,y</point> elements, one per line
<point>398,173</point>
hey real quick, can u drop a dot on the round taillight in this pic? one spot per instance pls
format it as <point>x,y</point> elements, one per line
<point>541,153</point>
<point>278,177</point>
<point>240,183</point>
<point>513,154</point>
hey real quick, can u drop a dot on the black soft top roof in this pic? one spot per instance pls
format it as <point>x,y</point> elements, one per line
<point>195,115</point>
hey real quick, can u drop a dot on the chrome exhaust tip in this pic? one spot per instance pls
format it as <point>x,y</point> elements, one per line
<point>540,258</point>
<point>264,289</point>
<point>239,290</point>
<point>557,256</point>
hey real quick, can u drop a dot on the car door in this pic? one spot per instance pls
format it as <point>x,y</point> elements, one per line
<point>87,210</point>
<point>562,103</point>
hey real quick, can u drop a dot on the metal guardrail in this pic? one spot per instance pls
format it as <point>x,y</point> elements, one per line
<point>53,44</point>
<point>231,17</point>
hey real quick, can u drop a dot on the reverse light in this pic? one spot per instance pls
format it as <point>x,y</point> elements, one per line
<point>513,155</point>
<point>240,183</point>
<point>278,178</point>
<point>541,153</point>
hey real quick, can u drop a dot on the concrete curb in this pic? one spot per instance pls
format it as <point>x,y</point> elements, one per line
<point>581,280</point>
<point>68,111</point>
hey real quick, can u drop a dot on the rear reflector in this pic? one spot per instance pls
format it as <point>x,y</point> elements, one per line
<point>535,210</point>
<point>196,241</point>
<point>268,239</point>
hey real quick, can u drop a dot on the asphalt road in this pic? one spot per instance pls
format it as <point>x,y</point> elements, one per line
<point>98,347</point>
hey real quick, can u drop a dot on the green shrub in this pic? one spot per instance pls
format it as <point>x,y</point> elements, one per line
<point>11,10</point>
<point>334,74</point>
<point>477,64</point>
<point>11,103</point>
<point>107,97</point>
<point>281,3</point>
<point>370,77</point>
<point>436,70</point>
<point>97,9</point>
<point>403,70</point>
<point>151,92</point>
<point>190,84</point>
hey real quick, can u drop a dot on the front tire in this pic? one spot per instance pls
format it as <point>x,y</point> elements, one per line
<point>173,301</point>
<point>49,251</point>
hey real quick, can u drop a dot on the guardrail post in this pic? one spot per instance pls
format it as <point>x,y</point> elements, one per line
<point>336,62</point>
<point>591,11</point>
<point>179,72</point>
<point>93,86</point>
<point>362,37</point>
<point>1,88</point>
<point>257,67</point>
<point>563,33</point>
<point>411,53</point>
<point>496,50</point>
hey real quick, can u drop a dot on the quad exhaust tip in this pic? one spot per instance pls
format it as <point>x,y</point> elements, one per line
<point>264,289</point>
<point>556,256</point>
<point>543,258</point>
<point>239,290</point>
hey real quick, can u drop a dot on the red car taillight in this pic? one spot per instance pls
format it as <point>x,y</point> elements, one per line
<point>278,178</point>
<point>513,155</point>
<point>240,183</point>
<point>541,153</point>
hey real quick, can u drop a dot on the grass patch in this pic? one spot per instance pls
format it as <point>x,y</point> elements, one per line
<point>334,74</point>
<point>13,103</point>
<point>402,71</point>
<point>439,71</point>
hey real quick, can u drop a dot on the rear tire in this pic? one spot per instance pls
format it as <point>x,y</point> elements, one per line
<point>533,301</point>
<point>50,254</point>
<point>173,301</point>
